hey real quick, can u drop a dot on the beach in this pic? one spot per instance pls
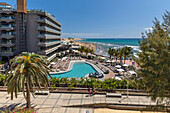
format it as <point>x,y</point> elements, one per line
<point>86,45</point>
<point>104,44</point>
<point>71,39</point>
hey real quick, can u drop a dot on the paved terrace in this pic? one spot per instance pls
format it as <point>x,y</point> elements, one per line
<point>55,102</point>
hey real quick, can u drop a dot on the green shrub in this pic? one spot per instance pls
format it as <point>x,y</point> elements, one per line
<point>2,78</point>
<point>107,84</point>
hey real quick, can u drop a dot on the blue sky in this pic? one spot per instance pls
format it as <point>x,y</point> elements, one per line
<point>102,18</point>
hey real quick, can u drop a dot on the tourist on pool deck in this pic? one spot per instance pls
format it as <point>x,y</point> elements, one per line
<point>89,91</point>
<point>93,90</point>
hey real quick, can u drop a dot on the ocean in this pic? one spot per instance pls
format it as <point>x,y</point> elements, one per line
<point>105,44</point>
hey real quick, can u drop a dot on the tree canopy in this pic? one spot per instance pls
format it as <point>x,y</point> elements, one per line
<point>154,60</point>
<point>27,71</point>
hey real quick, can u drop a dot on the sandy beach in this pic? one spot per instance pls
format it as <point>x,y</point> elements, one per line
<point>86,45</point>
<point>72,39</point>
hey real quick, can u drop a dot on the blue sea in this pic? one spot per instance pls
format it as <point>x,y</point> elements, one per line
<point>105,44</point>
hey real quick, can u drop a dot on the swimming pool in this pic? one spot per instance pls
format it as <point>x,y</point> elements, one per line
<point>78,70</point>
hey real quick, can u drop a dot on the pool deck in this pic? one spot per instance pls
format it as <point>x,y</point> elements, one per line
<point>111,74</point>
<point>56,102</point>
<point>77,61</point>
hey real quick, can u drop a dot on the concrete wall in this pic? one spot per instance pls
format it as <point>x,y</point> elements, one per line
<point>31,32</point>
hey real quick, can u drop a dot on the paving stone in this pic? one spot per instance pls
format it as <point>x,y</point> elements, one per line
<point>50,101</point>
<point>15,100</point>
<point>42,96</point>
<point>54,95</point>
<point>4,100</point>
<point>75,102</point>
<point>55,102</point>
<point>38,101</point>
<point>73,110</point>
<point>65,96</point>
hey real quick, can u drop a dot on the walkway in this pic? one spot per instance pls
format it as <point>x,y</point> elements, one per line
<point>55,102</point>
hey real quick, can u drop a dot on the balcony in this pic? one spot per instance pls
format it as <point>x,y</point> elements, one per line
<point>7,53</point>
<point>49,16</point>
<point>7,27</point>
<point>51,57</point>
<point>7,44</point>
<point>42,28</point>
<point>43,36</point>
<point>6,19</point>
<point>6,36</point>
<point>7,11</point>
<point>46,52</point>
<point>42,20</point>
<point>46,44</point>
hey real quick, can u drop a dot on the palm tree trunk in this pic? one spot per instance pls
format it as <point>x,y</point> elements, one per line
<point>28,97</point>
<point>124,59</point>
<point>120,59</point>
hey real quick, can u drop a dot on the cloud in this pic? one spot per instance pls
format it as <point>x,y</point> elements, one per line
<point>149,28</point>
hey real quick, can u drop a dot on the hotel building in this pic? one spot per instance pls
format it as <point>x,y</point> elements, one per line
<point>28,31</point>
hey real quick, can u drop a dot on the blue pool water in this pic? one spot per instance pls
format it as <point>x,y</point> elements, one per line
<point>78,70</point>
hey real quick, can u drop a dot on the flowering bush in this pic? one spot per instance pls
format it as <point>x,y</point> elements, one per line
<point>18,110</point>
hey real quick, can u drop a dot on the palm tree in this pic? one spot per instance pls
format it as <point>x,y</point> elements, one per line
<point>120,53</point>
<point>81,49</point>
<point>91,51</point>
<point>127,52</point>
<point>27,71</point>
<point>86,50</point>
<point>115,53</point>
<point>110,52</point>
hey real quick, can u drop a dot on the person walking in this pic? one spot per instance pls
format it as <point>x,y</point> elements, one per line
<point>89,91</point>
<point>93,90</point>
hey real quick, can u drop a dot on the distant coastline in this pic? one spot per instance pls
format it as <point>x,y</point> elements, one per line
<point>104,44</point>
<point>72,39</point>
<point>100,45</point>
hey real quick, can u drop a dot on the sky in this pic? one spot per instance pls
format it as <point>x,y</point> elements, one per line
<point>102,18</point>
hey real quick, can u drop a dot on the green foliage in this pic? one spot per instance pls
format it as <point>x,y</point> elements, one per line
<point>86,50</point>
<point>71,41</point>
<point>127,51</point>
<point>154,61</point>
<point>120,52</point>
<point>27,71</point>
<point>70,38</point>
<point>110,52</point>
<point>115,53</point>
<point>2,78</point>
<point>107,84</point>
<point>2,62</point>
